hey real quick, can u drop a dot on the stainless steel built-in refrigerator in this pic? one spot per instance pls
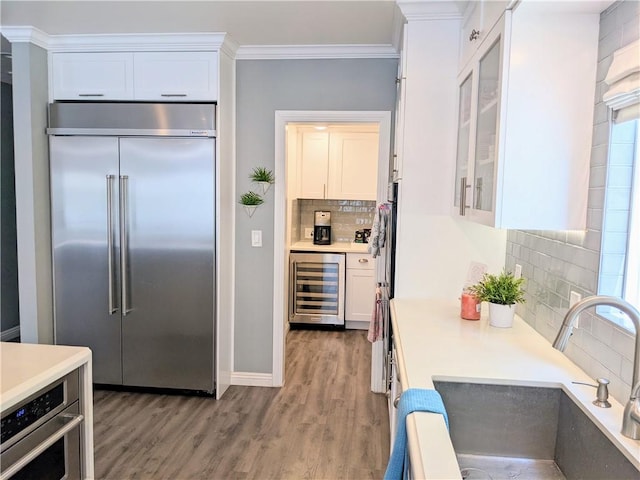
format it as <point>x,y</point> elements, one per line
<point>133,234</point>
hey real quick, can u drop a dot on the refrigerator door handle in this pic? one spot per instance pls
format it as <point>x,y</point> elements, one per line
<point>124,243</point>
<point>113,308</point>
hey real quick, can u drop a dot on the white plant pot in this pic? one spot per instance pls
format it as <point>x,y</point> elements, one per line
<point>501,315</point>
<point>250,209</point>
<point>264,186</point>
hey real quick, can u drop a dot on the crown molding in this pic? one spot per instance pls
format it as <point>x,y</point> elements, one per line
<point>136,42</point>
<point>140,42</point>
<point>121,42</point>
<point>306,52</point>
<point>26,34</point>
<point>416,10</point>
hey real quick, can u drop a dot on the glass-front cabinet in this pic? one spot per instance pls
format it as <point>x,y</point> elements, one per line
<point>484,164</point>
<point>525,119</point>
<point>464,136</point>
<point>478,120</point>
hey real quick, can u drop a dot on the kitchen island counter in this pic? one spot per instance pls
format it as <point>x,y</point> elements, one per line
<point>434,343</point>
<point>26,368</point>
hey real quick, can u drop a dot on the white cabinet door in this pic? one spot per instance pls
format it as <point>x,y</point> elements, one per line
<point>462,179</point>
<point>353,166</point>
<point>526,145</point>
<point>401,94</point>
<point>92,76</point>
<point>470,32</point>
<point>479,18</point>
<point>313,164</point>
<point>176,76</point>
<point>360,287</point>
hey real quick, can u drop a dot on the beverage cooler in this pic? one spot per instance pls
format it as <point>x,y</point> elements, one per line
<point>316,288</point>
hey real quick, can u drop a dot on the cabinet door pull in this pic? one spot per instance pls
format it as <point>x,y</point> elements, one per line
<point>463,195</point>
<point>173,94</point>
<point>363,260</point>
<point>475,34</point>
<point>91,94</point>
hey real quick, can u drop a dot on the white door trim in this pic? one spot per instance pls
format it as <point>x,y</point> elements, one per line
<point>282,117</point>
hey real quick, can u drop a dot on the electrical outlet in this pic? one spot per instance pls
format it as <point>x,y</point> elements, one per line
<point>517,271</point>
<point>575,297</point>
<point>308,233</point>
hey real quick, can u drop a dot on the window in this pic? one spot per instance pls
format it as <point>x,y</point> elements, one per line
<point>620,247</point>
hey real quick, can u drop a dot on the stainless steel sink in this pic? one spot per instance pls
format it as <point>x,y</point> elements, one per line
<point>514,432</point>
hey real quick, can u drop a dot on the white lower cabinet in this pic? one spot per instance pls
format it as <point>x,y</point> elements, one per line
<point>360,287</point>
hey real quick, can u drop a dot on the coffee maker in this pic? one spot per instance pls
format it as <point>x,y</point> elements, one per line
<point>322,228</point>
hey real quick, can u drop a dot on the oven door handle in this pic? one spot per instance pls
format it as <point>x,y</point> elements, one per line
<point>69,421</point>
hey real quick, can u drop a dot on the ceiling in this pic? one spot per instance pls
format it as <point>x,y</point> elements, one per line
<point>250,22</point>
<point>247,22</point>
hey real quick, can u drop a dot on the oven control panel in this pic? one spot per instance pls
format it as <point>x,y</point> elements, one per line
<point>29,413</point>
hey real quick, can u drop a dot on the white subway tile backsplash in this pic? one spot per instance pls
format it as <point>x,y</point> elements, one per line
<point>347,216</point>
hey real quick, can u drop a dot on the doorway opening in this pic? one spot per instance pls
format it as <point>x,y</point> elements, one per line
<point>289,126</point>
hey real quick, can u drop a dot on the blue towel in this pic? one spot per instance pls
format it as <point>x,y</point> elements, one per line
<point>412,400</point>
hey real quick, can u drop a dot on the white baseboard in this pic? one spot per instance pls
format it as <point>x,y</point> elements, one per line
<point>10,334</point>
<point>251,379</point>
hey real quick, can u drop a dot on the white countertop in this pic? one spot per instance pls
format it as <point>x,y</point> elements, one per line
<point>26,368</point>
<point>434,343</point>
<point>335,247</point>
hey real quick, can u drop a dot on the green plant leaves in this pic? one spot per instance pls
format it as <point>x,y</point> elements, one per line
<point>503,289</point>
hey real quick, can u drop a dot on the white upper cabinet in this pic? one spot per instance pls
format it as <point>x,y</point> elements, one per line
<point>313,164</point>
<point>353,166</point>
<point>479,18</point>
<point>92,76</point>
<point>401,96</point>
<point>337,164</point>
<point>163,76</point>
<point>525,120</point>
<point>175,75</point>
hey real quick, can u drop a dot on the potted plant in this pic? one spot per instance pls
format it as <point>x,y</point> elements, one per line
<point>262,177</point>
<point>502,292</point>
<point>250,202</point>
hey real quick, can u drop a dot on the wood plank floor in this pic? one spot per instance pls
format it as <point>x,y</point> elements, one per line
<point>323,424</point>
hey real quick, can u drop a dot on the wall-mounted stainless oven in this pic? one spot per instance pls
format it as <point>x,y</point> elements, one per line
<point>316,288</point>
<point>41,436</point>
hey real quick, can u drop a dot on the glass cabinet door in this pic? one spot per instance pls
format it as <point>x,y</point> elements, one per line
<point>486,129</point>
<point>464,126</point>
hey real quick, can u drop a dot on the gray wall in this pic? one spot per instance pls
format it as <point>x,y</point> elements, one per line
<point>264,86</point>
<point>554,263</point>
<point>9,311</point>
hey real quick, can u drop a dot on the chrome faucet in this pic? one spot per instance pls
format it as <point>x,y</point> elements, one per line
<point>631,416</point>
